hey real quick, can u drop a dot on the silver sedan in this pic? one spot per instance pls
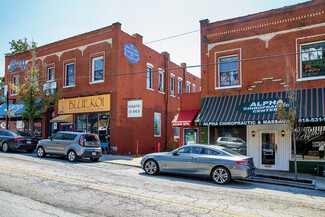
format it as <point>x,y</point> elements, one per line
<point>219,163</point>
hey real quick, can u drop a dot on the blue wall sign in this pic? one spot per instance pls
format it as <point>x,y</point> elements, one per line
<point>131,53</point>
<point>14,64</point>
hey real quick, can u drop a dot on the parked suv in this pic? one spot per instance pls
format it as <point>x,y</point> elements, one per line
<point>73,145</point>
<point>230,142</point>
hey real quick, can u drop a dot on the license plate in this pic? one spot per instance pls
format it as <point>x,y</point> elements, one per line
<point>29,142</point>
<point>94,153</point>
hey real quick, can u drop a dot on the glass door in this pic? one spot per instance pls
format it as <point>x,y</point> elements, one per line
<point>268,150</point>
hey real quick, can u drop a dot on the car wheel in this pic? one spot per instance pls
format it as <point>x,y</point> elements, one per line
<point>94,159</point>
<point>40,152</point>
<point>5,147</point>
<point>151,167</point>
<point>72,156</point>
<point>220,175</point>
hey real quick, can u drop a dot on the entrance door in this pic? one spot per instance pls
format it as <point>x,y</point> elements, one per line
<point>191,136</point>
<point>268,150</point>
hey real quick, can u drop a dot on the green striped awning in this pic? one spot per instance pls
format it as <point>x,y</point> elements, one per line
<point>260,108</point>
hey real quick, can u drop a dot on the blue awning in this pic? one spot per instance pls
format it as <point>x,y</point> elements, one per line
<point>260,108</point>
<point>15,110</point>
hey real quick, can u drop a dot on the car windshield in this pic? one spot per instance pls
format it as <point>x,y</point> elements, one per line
<point>17,133</point>
<point>91,138</point>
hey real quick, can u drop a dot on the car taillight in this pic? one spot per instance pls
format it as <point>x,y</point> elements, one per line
<point>81,140</point>
<point>246,163</point>
<point>19,140</point>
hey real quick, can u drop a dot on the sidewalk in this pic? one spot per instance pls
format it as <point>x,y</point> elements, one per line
<point>304,180</point>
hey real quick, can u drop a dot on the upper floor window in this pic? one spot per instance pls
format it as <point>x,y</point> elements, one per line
<point>149,76</point>
<point>97,69</point>
<point>161,81</point>
<point>313,60</point>
<point>179,88</point>
<point>15,82</point>
<point>69,75</point>
<point>193,88</point>
<point>228,71</point>
<point>172,85</point>
<point>188,87</point>
<point>50,74</point>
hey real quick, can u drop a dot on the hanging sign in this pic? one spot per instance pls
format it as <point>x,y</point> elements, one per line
<point>131,53</point>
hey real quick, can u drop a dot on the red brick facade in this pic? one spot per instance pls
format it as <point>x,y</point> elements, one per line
<point>266,44</point>
<point>123,80</point>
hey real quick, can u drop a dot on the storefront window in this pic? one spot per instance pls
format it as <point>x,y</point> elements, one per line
<point>230,137</point>
<point>204,135</point>
<point>81,123</point>
<point>176,132</point>
<point>92,123</point>
<point>311,143</point>
<point>104,127</point>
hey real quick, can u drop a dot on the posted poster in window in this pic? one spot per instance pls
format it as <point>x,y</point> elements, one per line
<point>135,109</point>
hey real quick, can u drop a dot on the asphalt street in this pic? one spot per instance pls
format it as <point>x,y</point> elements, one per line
<point>31,186</point>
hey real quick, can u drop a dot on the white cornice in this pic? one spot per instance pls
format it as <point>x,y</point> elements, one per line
<point>265,37</point>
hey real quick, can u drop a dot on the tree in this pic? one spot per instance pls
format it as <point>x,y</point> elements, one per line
<point>36,98</point>
<point>21,45</point>
<point>287,112</point>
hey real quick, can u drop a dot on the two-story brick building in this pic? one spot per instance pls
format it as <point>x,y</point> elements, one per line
<point>249,64</point>
<point>110,83</point>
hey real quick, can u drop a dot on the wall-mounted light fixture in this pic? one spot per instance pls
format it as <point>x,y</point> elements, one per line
<point>282,133</point>
<point>253,133</point>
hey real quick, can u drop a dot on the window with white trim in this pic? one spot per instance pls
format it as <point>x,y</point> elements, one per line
<point>179,87</point>
<point>172,85</point>
<point>157,125</point>
<point>228,71</point>
<point>313,60</point>
<point>50,74</point>
<point>188,87</point>
<point>69,75</point>
<point>98,69</point>
<point>193,88</point>
<point>161,80</point>
<point>149,76</point>
<point>14,82</point>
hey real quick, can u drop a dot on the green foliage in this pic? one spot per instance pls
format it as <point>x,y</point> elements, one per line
<point>21,45</point>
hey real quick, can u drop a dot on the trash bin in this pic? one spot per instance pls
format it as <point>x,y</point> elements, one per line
<point>320,170</point>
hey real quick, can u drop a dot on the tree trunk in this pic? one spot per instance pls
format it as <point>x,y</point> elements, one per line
<point>295,155</point>
<point>31,125</point>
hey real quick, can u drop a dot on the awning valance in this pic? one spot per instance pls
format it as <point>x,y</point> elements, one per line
<point>184,118</point>
<point>260,108</point>
<point>63,119</point>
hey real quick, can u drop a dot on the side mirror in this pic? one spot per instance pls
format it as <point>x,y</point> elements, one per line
<point>50,137</point>
<point>174,152</point>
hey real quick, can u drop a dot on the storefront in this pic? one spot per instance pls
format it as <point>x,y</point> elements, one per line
<point>248,124</point>
<point>85,114</point>
<point>184,120</point>
<point>15,120</point>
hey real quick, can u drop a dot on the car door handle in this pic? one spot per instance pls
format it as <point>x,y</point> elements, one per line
<point>194,157</point>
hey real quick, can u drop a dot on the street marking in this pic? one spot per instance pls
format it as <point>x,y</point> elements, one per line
<point>128,194</point>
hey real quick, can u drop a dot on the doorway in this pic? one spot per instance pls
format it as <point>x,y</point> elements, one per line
<point>268,150</point>
<point>191,136</point>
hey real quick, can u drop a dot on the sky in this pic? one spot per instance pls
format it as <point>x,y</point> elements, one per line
<point>47,21</point>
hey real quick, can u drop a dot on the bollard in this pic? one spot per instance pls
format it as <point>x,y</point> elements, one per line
<point>158,147</point>
<point>137,148</point>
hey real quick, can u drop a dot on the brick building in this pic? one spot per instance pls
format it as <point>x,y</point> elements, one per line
<point>249,64</point>
<point>111,84</point>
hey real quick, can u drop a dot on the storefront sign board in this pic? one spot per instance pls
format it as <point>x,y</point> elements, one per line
<point>135,109</point>
<point>99,103</point>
